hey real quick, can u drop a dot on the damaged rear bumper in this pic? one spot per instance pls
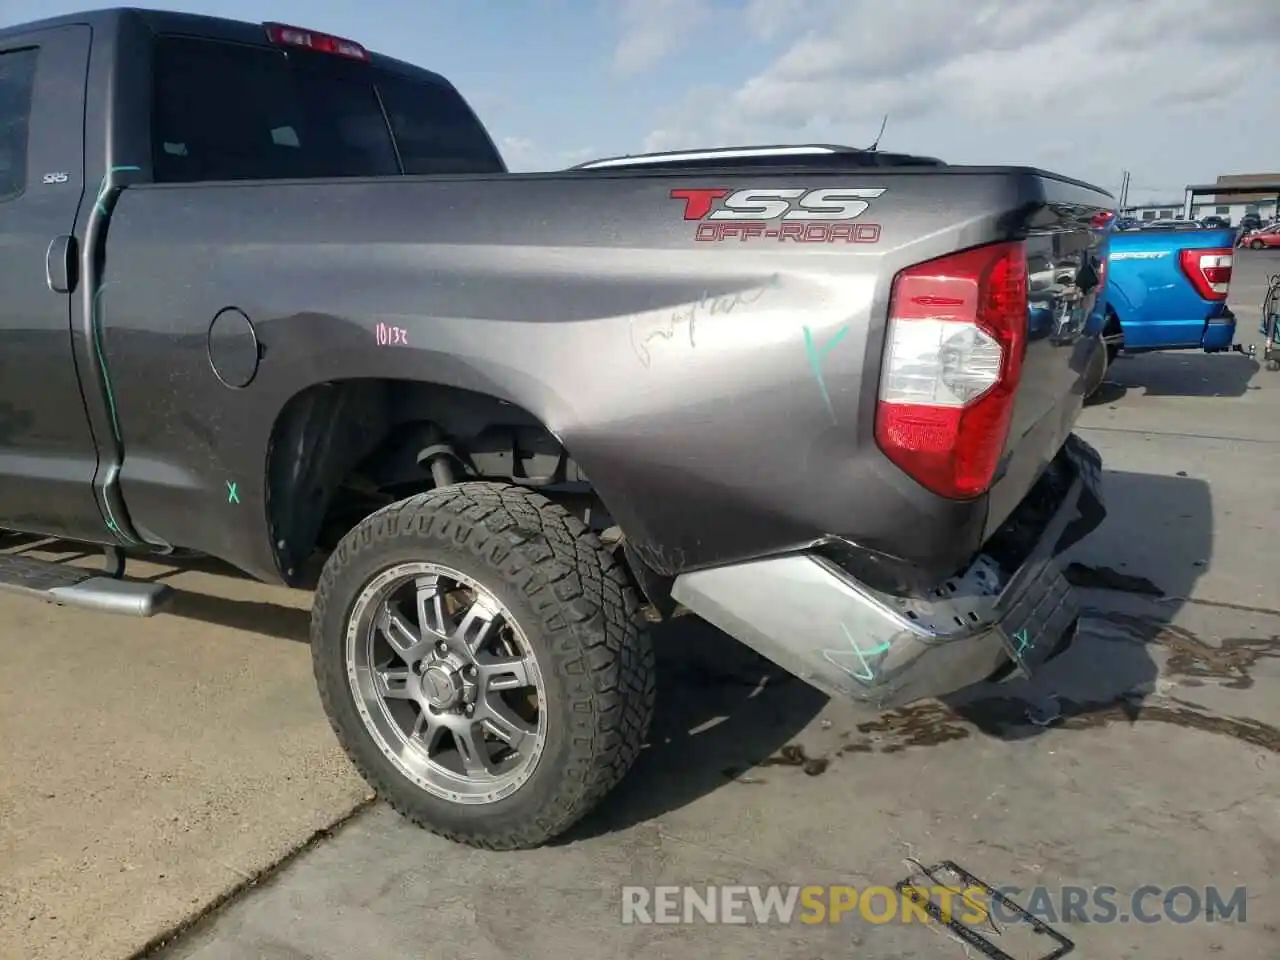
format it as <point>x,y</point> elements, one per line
<point>811,617</point>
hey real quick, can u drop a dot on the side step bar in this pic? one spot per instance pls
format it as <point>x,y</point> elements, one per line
<point>73,587</point>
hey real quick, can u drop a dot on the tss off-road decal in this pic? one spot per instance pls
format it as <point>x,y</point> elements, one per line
<point>781,214</point>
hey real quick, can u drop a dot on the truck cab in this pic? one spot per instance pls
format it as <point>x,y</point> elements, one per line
<point>98,102</point>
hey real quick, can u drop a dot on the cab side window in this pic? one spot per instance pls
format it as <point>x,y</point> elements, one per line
<point>17,80</point>
<point>435,130</point>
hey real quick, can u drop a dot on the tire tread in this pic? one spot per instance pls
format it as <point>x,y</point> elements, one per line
<point>589,616</point>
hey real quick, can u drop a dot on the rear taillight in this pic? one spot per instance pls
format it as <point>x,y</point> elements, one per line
<point>1209,271</point>
<point>952,361</point>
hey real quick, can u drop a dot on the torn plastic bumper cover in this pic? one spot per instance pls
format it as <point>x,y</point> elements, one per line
<point>809,616</point>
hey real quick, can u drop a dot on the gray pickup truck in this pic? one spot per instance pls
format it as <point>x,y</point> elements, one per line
<point>269,297</point>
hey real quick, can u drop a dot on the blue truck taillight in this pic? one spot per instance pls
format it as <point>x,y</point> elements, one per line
<point>1209,270</point>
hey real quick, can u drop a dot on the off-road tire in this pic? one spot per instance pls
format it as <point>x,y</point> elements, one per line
<point>576,607</point>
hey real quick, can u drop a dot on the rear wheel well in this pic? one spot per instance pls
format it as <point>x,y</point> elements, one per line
<point>341,450</point>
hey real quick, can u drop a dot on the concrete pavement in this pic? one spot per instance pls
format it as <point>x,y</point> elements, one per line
<point>148,767</point>
<point>1164,772</point>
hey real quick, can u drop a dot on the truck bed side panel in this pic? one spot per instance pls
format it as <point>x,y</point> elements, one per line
<point>719,395</point>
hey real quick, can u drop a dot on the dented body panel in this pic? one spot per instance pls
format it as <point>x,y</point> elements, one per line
<point>716,394</point>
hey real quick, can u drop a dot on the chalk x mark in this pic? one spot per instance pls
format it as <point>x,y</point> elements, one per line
<point>1024,642</point>
<point>864,673</point>
<point>233,495</point>
<point>816,356</point>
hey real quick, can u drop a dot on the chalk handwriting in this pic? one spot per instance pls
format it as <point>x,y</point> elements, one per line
<point>640,339</point>
<point>684,320</point>
<point>233,495</point>
<point>388,336</point>
<point>816,355</point>
<point>1024,642</point>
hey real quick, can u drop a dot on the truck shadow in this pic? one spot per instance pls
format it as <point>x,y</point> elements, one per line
<point>253,616</point>
<point>717,719</point>
<point>723,710</point>
<point>275,620</point>
<point>1134,574</point>
<point>1178,374</point>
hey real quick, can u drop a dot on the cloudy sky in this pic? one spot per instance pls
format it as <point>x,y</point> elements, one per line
<point>1173,90</point>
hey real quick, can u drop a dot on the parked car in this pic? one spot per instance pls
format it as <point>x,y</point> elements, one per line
<point>1214,222</point>
<point>269,294</point>
<point>1167,290</point>
<point>1265,238</point>
<point>1250,222</point>
<point>1171,223</point>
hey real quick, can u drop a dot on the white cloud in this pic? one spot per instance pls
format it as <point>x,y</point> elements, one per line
<point>524,155</point>
<point>770,19</point>
<point>652,30</point>
<point>1088,87</point>
<point>521,153</point>
<point>518,144</point>
<point>569,158</point>
<point>700,103</point>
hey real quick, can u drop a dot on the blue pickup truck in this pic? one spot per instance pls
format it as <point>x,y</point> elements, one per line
<point>1167,290</point>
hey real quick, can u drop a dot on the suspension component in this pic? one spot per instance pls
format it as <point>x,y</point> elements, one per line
<point>439,458</point>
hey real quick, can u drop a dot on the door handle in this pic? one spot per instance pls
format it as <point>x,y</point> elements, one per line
<point>60,264</point>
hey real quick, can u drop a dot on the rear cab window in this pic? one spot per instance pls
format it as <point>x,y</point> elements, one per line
<point>227,111</point>
<point>17,83</point>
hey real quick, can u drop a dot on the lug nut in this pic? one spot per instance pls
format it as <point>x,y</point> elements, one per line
<point>442,648</point>
<point>469,709</point>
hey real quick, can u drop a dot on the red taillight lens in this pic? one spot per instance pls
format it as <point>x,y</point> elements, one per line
<point>1209,271</point>
<point>286,36</point>
<point>1102,218</point>
<point>952,362</point>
